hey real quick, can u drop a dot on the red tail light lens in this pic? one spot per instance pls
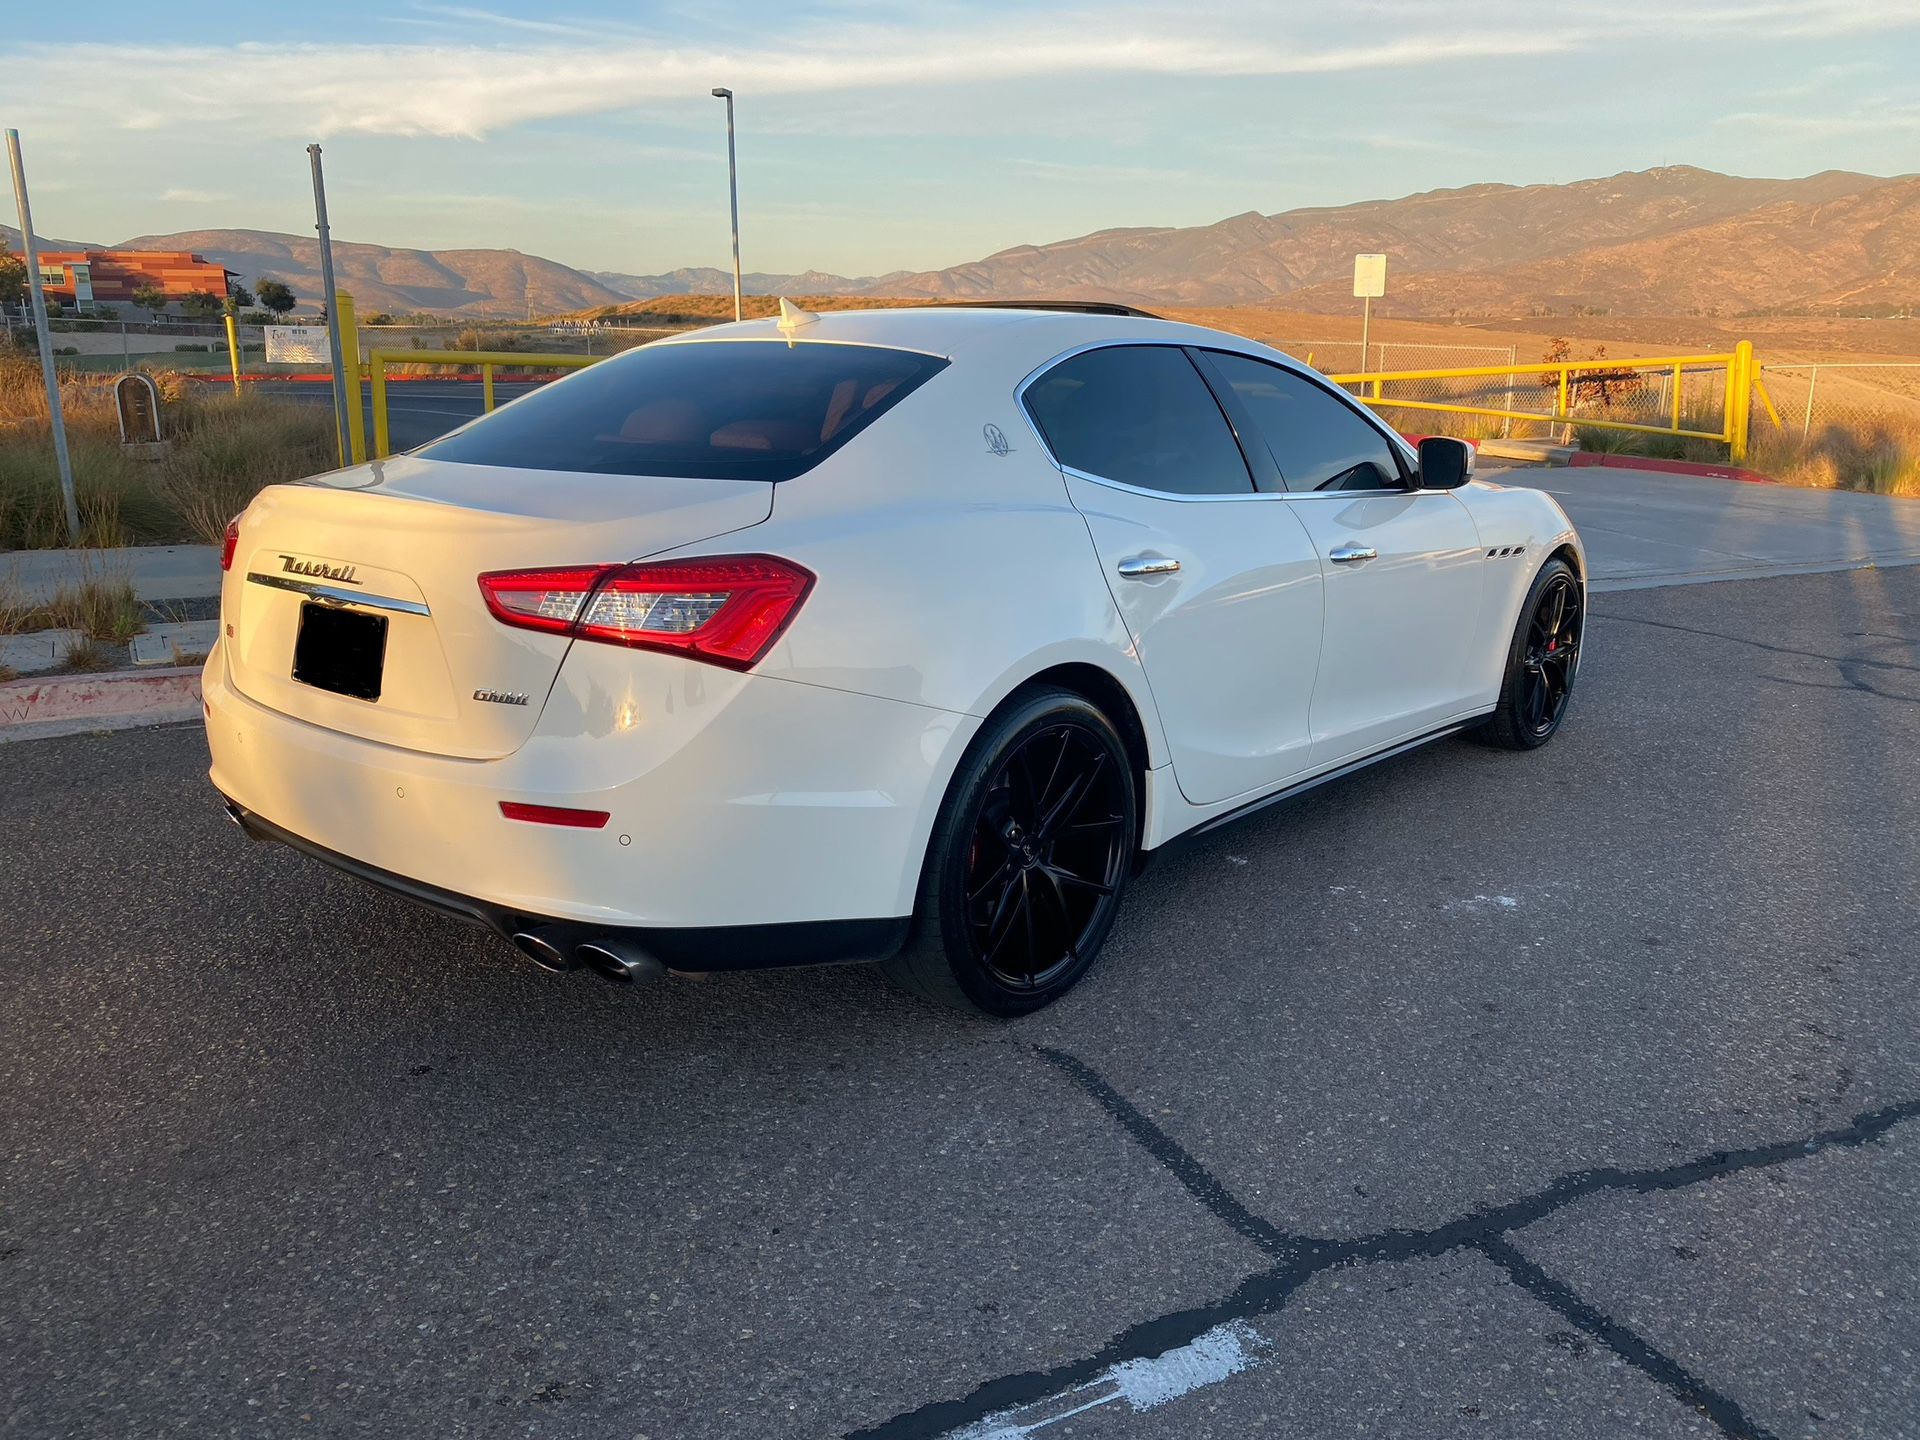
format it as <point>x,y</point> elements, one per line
<point>231,544</point>
<point>554,815</point>
<point>724,609</point>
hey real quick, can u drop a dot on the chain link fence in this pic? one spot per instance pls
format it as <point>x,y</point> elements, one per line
<point>1339,357</point>
<point>1852,424</point>
<point>1521,405</point>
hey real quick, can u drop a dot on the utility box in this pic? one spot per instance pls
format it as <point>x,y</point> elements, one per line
<point>137,400</point>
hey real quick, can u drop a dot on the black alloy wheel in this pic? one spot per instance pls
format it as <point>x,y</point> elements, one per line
<point>1047,855</point>
<point>1543,662</point>
<point>1029,858</point>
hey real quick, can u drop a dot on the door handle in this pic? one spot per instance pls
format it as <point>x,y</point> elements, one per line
<point>1352,554</point>
<point>1141,567</point>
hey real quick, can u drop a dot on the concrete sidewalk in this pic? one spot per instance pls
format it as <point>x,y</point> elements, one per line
<point>1644,528</point>
<point>158,572</point>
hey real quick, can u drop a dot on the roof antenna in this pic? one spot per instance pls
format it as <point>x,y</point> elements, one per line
<point>792,317</point>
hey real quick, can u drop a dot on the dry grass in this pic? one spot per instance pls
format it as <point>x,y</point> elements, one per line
<point>230,447</point>
<point>1880,457</point>
<point>87,656</point>
<point>223,449</point>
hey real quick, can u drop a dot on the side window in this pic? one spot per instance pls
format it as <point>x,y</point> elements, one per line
<point>1318,443</point>
<point>1139,414</point>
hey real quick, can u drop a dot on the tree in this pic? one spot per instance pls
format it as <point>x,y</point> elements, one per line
<point>274,296</point>
<point>238,298</point>
<point>13,276</point>
<point>200,305</point>
<point>150,297</point>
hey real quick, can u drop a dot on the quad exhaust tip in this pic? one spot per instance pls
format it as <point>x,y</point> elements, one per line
<point>538,948</point>
<point>609,956</point>
<point>617,960</point>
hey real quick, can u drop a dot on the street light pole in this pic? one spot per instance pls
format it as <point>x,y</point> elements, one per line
<point>720,92</point>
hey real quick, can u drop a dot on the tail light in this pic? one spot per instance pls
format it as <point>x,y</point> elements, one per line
<point>230,544</point>
<point>724,609</point>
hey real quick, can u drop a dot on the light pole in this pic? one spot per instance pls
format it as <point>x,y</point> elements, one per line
<point>720,92</point>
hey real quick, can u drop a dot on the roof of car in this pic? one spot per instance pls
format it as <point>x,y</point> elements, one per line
<point>954,331</point>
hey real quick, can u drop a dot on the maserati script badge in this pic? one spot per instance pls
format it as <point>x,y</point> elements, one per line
<point>501,697</point>
<point>319,569</point>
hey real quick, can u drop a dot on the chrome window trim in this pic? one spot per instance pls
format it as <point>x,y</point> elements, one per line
<point>334,595</point>
<point>1409,458</point>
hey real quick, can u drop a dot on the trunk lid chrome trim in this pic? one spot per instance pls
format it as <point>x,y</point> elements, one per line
<point>334,595</point>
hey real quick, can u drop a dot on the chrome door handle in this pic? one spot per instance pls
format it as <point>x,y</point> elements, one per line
<point>1139,567</point>
<point>1352,554</point>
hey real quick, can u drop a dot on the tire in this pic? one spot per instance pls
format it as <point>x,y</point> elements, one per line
<point>1018,893</point>
<point>1543,661</point>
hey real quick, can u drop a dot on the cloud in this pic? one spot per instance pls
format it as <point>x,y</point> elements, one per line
<point>505,70</point>
<point>469,91</point>
<point>193,197</point>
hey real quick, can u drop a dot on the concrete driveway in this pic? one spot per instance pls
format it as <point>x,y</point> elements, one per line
<point>1645,528</point>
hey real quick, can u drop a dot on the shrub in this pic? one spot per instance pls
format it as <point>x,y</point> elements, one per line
<point>232,446</point>
<point>1881,457</point>
<point>189,345</point>
<point>224,448</point>
<point>102,606</point>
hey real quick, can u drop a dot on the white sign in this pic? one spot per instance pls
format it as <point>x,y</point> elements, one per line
<point>1369,277</point>
<point>298,345</point>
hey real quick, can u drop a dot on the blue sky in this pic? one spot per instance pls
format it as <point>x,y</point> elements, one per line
<point>909,135</point>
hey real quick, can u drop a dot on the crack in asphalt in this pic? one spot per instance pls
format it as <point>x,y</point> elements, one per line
<point>1303,1258</point>
<point>1198,1180</point>
<point>1625,1343</point>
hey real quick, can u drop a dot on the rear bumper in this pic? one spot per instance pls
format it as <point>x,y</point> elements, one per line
<point>690,947</point>
<point>740,806</point>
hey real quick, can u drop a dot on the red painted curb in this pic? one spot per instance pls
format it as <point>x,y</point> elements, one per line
<point>1672,467</point>
<point>325,377</point>
<point>85,697</point>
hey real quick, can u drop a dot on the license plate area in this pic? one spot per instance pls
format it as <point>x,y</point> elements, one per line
<point>344,651</point>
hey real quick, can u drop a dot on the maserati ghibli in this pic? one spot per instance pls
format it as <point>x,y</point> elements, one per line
<point>891,635</point>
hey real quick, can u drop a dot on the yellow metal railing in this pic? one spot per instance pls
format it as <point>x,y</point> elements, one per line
<point>1569,378</point>
<point>488,361</point>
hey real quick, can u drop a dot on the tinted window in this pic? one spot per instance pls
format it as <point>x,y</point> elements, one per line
<point>723,409</point>
<point>1315,439</point>
<point>1142,415</point>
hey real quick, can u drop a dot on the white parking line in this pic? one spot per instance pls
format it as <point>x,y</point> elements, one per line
<point>1220,1353</point>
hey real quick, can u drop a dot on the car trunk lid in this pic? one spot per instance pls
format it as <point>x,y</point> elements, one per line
<point>401,544</point>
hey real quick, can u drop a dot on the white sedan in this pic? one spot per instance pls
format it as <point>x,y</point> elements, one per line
<point>894,635</point>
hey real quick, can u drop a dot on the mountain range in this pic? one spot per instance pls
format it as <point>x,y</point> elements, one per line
<point>1673,240</point>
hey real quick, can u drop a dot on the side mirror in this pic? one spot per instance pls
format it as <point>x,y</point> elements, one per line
<point>1445,463</point>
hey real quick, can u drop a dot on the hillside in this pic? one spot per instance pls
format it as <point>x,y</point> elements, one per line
<point>1675,240</point>
<point>463,282</point>
<point>707,280</point>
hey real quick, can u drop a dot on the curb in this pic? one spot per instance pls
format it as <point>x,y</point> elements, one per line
<point>1583,459</point>
<point>325,377</point>
<point>35,709</point>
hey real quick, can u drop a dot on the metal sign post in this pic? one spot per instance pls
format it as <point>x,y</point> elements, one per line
<point>1369,283</point>
<point>54,415</point>
<point>333,309</point>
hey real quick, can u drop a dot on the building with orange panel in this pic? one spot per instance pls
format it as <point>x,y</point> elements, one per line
<point>81,277</point>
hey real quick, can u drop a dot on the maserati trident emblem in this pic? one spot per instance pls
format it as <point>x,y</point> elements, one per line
<point>318,569</point>
<point>996,439</point>
<point>500,697</point>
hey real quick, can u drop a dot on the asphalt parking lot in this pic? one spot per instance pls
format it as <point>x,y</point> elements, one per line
<point>1570,1094</point>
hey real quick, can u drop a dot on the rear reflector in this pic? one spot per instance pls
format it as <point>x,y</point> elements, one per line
<point>231,544</point>
<point>554,815</point>
<point>724,609</point>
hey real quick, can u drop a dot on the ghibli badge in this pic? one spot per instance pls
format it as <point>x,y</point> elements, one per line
<point>500,697</point>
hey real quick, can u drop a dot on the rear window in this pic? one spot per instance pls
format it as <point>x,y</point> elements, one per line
<point>722,410</point>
